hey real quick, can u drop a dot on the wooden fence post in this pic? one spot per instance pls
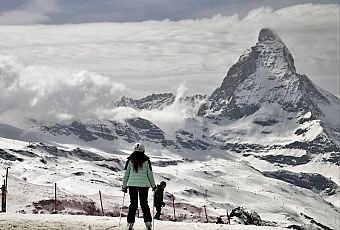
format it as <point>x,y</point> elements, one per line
<point>6,179</point>
<point>55,197</point>
<point>5,192</point>
<point>101,202</point>
<point>206,215</point>
<point>228,217</point>
<point>173,204</point>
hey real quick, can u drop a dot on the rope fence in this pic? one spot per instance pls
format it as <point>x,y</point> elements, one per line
<point>18,198</point>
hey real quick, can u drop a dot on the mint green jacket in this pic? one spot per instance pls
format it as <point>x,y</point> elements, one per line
<point>142,178</point>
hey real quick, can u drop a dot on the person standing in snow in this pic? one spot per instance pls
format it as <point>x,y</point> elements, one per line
<point>138,178</point>
<point>158,199</point>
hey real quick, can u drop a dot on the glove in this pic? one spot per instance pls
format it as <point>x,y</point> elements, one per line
<point>124,190</point>
<point>163,204</point>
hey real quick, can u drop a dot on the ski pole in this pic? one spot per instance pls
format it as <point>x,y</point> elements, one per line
<point>121,210</point>
<point>153,211</point>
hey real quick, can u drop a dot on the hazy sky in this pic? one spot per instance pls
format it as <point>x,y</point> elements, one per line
<point>80,11</point>
<point>75,68</point>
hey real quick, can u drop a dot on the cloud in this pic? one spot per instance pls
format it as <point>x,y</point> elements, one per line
<point>157,56</point>
<point>170,118</point>
<point>147,56</point>
<point>32,12</point>
<point>52,94</point>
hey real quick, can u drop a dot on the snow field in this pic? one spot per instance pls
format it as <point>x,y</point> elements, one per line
<point>67,222</point>
<point>219,184</point>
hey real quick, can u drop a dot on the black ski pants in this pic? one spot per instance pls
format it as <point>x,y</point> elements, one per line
<point>143,199</point>
<point>158,213</point>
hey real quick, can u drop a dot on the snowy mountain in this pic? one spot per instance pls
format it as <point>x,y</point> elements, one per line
<point>264,85</point>
<point>154,101</point>
<point>263,104</point>
<point>157,101</point>
<point>267,139</point>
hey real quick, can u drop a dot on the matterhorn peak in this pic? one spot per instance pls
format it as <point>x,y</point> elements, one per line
<point>273,53</point>
<point>267,34</point>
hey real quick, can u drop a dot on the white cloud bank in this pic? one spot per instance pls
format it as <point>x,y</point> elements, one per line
<point>153,56</point>
<point>52,94</point>
<point>169,119</point>
<point>32,12</point>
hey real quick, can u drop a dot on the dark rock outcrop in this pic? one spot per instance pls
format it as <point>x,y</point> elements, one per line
<point>312,181</point>
<point>247,217</point>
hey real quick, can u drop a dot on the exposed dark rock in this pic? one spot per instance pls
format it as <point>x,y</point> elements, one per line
<point>166,163</point>
<point>48,148</point>
<point>268,122</point>
<point>154,101</point>
<point>312,181</point>
<point>321,144</point>
<point>185,133</point>
<point>166,143</point>
<point>103,132</point>
<point>112,168</point>
<point>193,144</point>
<point>295,227</point>
<point>53,150</point>
<point>333,158</point>
<point>97,181</point>
<point>146,128</point>
<point>312,96</point>
<point>304,119</point>
<point>300,131</point>
<point>267,34</point>
<point>24,152</point>
<point>86,155</point>
<point>235,147</point>
<point>125,131</point>
<point>86,132</point>
<point>7,156</point>
<point>79,173</point>
<point>266,132</point>
<point>315,222</point>
<point>288,160</point>
<point>76,128</point>
<point>157,101</point>
<point>222,98</point>
<point>248,217</point>
<point>193,192</point>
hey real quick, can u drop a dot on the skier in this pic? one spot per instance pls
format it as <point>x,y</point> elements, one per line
<point>158,199</point>
<point>138,177</point>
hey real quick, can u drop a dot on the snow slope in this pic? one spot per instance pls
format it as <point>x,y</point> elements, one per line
<point>63,222</point>
<point>219,184</point>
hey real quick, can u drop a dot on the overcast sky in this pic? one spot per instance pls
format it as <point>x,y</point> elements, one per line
<point>80,11</point>
<point>92,64</point>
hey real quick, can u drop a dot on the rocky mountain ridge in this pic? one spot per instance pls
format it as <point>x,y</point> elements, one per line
<point>264,113</point>
<point>262,104</point>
